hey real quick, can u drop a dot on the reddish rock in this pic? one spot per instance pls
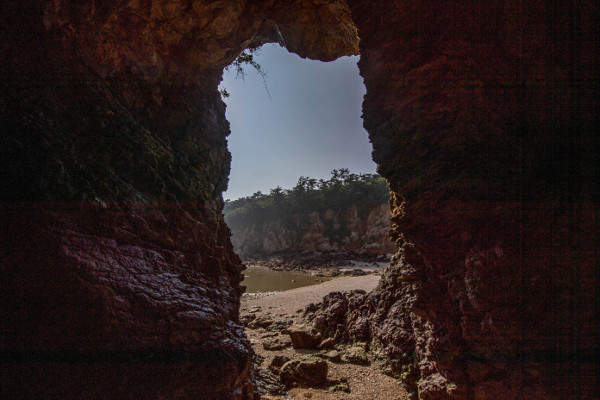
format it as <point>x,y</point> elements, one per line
<point>328,343</point>
<point>118,277</point>
<point>482,119</point>
<point>309,372</point>
<point>278,362</point>
<point>304,337</point>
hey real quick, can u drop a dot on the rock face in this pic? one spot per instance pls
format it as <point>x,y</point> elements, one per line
<point>361,230</point>
<point>482,119</point>
<point>117,275</point>
<point>118,279</point>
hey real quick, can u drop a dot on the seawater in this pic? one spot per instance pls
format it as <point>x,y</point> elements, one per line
<point>262,280</point>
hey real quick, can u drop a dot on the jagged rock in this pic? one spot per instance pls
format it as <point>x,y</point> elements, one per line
<point>279,325</point>
<point>309,372</point>
<point>246,319</point>
<point>330,317</point>
<point>268,382</point>
<point>304,337</point>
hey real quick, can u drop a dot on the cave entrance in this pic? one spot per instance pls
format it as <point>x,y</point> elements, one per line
<point>303,118</point>
<point>304,201</point>
<point>302,177</point>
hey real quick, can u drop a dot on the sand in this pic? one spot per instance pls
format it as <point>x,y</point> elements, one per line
<point>365,382</point>
<point>289,301</point>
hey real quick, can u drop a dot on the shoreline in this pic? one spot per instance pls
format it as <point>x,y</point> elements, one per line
<point>289,301</point>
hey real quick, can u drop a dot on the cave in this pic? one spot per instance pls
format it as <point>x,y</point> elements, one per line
<point>117,275</point>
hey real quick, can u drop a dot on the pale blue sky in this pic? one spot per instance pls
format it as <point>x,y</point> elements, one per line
<point>310,124</point>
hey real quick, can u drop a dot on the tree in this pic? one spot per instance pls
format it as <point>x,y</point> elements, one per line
<point>245,58</point>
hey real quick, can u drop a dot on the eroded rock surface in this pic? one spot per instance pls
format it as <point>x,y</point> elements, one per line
<point>118,278</point>
<point>482,119</point>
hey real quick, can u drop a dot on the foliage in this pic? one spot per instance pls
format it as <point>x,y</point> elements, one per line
<point>293,206</point>
<point>246,58</point>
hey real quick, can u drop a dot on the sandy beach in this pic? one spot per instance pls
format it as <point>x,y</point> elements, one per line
<point>365,382</point>
<point>289,301</point>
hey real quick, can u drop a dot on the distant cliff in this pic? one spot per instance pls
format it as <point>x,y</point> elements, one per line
<point>346,213</point>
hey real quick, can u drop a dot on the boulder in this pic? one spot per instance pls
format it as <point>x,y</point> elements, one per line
<point>356,355</point>
<point>277,343</point>
<point>309,372</point>
<point>304,337</point>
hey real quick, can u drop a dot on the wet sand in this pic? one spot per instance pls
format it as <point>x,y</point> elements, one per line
<point>289,301</point>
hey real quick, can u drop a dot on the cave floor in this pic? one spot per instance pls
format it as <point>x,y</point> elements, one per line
<point>364,382</point>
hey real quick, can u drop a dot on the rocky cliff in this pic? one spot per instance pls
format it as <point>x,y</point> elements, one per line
<point>118,279</point>
<point>362,230</point>
<point>482,118</point>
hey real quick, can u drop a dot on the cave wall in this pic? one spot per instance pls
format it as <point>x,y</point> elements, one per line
<point>483,118</point>
<point>117,275</point>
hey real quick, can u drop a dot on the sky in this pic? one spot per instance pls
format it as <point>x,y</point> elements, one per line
<point>306,122</point>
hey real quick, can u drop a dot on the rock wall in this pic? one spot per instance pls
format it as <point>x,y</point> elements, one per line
<point>482,117</point>
<point>117,276</point>
<point>362,230</point>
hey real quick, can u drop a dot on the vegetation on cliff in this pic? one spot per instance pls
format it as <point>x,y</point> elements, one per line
<point>341,191</point>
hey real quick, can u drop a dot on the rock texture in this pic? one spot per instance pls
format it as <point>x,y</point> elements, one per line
<point>482,118</point>
<point>360,229</point>
<point>117,276</point>
<point>118,279</point>
<point>310,372</point>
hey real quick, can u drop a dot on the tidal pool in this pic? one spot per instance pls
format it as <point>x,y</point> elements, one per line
<point>261,280</point>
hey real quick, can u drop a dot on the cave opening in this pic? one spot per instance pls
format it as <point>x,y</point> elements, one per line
<point>308,213</point>
<point>302,118</point>
<point>301,167</point>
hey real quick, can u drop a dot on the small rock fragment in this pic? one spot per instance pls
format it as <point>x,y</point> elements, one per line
<point>328,343</point>
<point>278,362</point>
<point>332,355</point>
<point>340,386</point>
